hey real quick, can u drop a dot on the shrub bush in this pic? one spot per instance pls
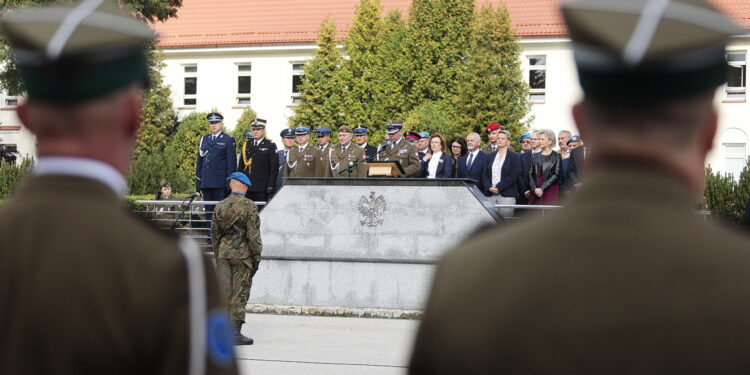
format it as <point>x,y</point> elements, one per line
<point>12,174</point>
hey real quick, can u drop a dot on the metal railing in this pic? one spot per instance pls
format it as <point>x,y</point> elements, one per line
<point>189,218</point>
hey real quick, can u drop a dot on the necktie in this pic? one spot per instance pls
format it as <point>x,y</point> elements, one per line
<point>300,149</point>
<point>256,143</point>
<point>468,163</point>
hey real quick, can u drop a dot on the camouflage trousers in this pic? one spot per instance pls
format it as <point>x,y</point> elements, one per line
<point>235,283</point>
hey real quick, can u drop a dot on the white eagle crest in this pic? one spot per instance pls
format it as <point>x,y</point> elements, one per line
<point>372,209</point>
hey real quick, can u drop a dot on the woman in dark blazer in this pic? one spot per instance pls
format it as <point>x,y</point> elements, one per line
<point>546,168</point>
<point>458,149</point>
<point>436,163</point>
<point>500,174</point>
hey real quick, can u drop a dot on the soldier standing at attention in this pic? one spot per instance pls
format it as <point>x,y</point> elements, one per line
<point>361,138</point>
<point>287,139</point>
<point>260,163</point>
<point>304,160</point>
<point>396,148</point>
<point>492,130</point>
<point>85,286</point>
<point>235,236</point>
<point>323,137</point>
<point>648,286</point>
<point>345,155</point>
<point>216,161</point>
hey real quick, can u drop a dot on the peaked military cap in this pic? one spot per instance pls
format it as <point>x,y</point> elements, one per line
<point>411,135</point>
<point>301,130</point>
<point>287,133</point>
<point>320,132</point>
<point>574,138</point>
<point>360,130</point>
<point>645,51</point>
<point>393,126</point>
<point>215,117</point>
<point>77,51</point>
<point>259,123</point>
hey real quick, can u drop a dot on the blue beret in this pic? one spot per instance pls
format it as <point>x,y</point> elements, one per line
<point>287,133</point>
<point>215,117</point>
<point>524,136</point>
<point>574,138</point>
<point>424,135</point>
<point>241,177</point>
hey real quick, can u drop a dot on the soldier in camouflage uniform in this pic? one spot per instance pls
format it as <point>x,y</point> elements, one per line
<point>235,236</point>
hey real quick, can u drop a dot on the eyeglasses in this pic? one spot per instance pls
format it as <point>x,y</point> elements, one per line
<point>526,141</point>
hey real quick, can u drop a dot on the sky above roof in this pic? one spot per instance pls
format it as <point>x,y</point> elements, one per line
<point>203,23</point>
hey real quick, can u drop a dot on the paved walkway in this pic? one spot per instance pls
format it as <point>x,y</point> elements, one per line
<point>325,345</point>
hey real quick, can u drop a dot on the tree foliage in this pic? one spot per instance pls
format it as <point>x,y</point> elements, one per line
<point>12,174</point>
<point>726,196</point>
<point>158,118</point>
<point>491,87</point>
<point>322,85</point>
<point>432,117</point>
<point>182,151</point>
<point>242,127</point>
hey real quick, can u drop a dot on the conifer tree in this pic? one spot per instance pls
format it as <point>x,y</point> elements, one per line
<point>158,115</point>
<point>322,85</point>
<point>439,34</point>
<point>491,87</point>
<point>393,67</point>
<point>359,74</point>
<point>242,127</point>
<point>182,151</point>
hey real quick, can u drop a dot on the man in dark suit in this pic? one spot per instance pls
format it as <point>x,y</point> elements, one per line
<point>260,163</point>
<point>360,137</point>
<point>471,164</point>
<point>216,161</point>
<point>128,297</point>
<point>523,180</point>
<point>287,138</point>
<point>648,286</point>
<point>576,167</point>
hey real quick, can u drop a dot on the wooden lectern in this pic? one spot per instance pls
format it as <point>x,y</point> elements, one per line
<point>385,169</point>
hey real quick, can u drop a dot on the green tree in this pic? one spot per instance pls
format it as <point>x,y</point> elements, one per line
<point>147,171</point>
<point>439,35</point>
<point>148,10</point>
<point>358,74</point>
<point>491,87</point>
<point>322,85</point>
<point>158,116</point>
<point>182,151</point>
<point>726,196</point>
<point>12,174</point>
<point>433,117</point>
<point>393,69</point>
<point>242,127</point>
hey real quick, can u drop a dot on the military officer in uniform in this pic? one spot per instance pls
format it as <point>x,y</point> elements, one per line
<point>323,136</point>
<point>259,162</point>
<point>648,286</point>
<point>396,148</point>
<point>235,234</point>
<point>86,286</point>
<point>361,138</point>
<point>492,130</point>
<point>287,139</point>
<point>216,161</point>
<point>346,159</point>
<point>304,160</point>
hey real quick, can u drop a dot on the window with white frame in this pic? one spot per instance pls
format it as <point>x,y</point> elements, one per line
<point>537,78</point>
<point>8,99</point>
<point>736,82</point>
<point>190,87</point>
<point>735,158</point>
<point>244,83</point>
<point>297,81</point>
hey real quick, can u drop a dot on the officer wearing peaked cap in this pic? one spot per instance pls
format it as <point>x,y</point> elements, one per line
<point>346,159</point>
<point>128,298</point>
<point>323,138</point>
<point>648,286</point>
<point>304,160</point>
<point>287,139</point>
<point>259,162</point>
<point>396,148</point>
<point>360,138</point>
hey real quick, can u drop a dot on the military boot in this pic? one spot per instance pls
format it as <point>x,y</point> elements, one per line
<point>239,338</point>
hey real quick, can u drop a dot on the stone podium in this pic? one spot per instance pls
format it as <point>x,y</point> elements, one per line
<point>362,243</point>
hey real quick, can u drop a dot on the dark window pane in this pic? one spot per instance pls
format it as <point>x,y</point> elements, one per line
<point>190,101</point>
<point>736,76</point>
<point>537,79</point>
<point>191,85</point>
<point>244,68</point>
<point>243,85</point>
<point>11,102</point>
<point>296,81</point>
<point>297,66</point>
<point>736,56</point>
<point>191,69</point>
<point>538,60</point>
<point>243,100</point>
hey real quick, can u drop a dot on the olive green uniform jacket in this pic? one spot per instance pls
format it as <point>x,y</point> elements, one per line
<point>325,153</point>
<point>626,279</point>
<point>308,163</point>
<point>88,288</point>
<point>341,160</point>
<point>405,153</point>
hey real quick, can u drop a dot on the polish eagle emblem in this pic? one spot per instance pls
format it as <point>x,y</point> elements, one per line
<point>372,209</point>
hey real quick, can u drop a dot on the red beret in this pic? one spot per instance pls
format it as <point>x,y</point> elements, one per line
<point>492,127</point>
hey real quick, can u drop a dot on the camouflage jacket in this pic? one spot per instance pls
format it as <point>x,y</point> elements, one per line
<point>235,229</point>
